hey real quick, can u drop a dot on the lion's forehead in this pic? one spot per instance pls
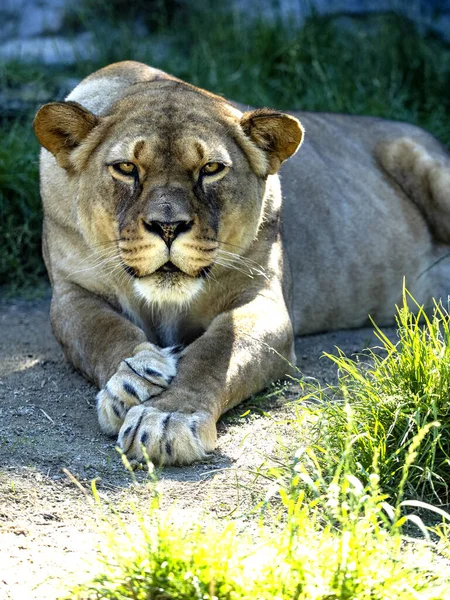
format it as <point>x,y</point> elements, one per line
<point>151,145</point>
<point>180,104</point>
<point>176,123</point>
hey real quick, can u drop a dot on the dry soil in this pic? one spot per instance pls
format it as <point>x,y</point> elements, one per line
<point>48,428</point>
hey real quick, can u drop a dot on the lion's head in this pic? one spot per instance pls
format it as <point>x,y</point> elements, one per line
<point>171,175</point>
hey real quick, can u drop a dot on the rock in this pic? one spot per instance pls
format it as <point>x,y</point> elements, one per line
<point>432,14</point>
<point>50,49</point>
<point>26,18</point>
<point>32,30</point>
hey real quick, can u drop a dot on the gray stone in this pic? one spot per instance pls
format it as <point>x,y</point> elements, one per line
<point>433,14</point>
<point>49,49</point>
<point>28,28</point>
<point>26,18</point>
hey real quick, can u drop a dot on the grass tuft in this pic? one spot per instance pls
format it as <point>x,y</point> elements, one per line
<point>394,404</point>
<point>344,544</point>
<point>350,522</point>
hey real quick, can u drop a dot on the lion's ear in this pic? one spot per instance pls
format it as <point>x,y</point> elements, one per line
<point>61,126</point>
<point>278,134</point>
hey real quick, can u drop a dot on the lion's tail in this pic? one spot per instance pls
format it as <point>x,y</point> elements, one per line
<point>423,177</point>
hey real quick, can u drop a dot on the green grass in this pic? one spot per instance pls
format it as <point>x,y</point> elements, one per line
<point>383,400</point>
<point>341,517</point>
<point>21,264</point>
<point>346,543</point>
<point>380,65</point>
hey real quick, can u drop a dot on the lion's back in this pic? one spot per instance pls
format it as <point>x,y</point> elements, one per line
<point>350,229</point>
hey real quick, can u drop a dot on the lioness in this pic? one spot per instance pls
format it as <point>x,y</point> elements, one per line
<point>179,280</point>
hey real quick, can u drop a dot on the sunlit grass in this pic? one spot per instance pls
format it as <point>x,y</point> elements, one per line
<point>344,517</point>
<point>345,543</point>
<point>382,401</point>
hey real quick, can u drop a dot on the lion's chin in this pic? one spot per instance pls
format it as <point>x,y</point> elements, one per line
<point>164,290</point>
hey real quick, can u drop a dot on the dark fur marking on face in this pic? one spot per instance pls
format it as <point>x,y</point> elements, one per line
<point>200,151</point>
<point>199,248</point>
<point>138,249</point>
<point>144,437</point>
<point>208,200</point>
<point>138,148</point>
<point>212,203</point>
<point>128,197</point>
<point>129,389</point>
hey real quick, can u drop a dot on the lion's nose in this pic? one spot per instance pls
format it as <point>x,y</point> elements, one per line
<point>168,230</point>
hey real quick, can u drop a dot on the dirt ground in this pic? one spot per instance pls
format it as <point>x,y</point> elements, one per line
<point>48,536</point>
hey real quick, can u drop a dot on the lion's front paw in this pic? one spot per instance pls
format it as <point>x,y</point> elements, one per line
<point>142,376</point>
<point>168,437</point>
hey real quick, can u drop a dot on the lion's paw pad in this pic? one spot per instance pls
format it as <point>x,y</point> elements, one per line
<point>142,376</point>
<point>167,438</point>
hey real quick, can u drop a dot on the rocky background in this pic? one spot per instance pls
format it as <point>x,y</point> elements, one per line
<point>41,30</point>
<point>57,34</point>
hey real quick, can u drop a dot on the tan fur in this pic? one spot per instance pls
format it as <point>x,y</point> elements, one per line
<point>173,254</point>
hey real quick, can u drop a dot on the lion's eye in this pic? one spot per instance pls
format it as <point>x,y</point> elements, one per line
<point>125,168</point>
<point>212,168</point>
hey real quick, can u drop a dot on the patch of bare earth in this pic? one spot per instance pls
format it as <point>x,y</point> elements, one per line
<point>48,534</point>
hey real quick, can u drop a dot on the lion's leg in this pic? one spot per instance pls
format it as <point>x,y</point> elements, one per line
<point>424,177</point>
<point>242,351</point>
<point>110,351</point>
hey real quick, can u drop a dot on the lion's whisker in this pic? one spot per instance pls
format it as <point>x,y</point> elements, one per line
<point>211,278</point>
<point>97,255</point>
<point>233,266</point>
<point>228,244</point>
<point>240,258</point>
<point>108,243</point>
<point>233,259</point>
<point>100,263</point>
<point>113,269</point>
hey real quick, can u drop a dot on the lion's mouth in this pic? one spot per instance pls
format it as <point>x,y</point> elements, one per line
<point>170,271</point>
<point>168,267</point>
